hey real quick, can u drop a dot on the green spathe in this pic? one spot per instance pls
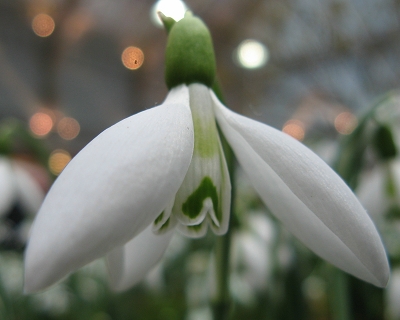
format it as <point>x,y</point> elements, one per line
<point>189,54</point>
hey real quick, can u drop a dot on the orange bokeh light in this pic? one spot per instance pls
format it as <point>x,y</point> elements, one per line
<point>294,128</point>
<point>132,58</point>
<point>345,122</point>
<point>68,128</point>
<point>58,160</point>
<point>43,25</point>
<point>41,124</point>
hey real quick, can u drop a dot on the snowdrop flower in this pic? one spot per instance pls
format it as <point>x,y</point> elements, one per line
<point>373,191</point>
<point>252,251</point>
<point>392,296</point>
<point>20,196</point>
<point>379,192</point>
<point>163,170</point>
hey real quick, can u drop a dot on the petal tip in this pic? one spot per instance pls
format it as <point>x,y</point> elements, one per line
<point>384,277</point>
<point>33,284</point>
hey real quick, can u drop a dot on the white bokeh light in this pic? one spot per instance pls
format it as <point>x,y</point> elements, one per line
<point>251,54</point>
<point>171,8</point>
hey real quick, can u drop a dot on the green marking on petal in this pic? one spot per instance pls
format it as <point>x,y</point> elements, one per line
<point>195,227</point>
<point>165,225</point>
<point>205,131</point>
<point>159,218</point>
<point>194,203</point>
<point>206,142</point>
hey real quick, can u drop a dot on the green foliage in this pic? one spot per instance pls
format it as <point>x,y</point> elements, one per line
<point>383,142</point>
<point>14,135</point>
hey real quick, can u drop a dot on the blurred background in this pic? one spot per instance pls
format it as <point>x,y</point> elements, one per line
<point>326,72</point>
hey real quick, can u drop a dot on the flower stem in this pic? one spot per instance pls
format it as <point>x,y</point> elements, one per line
<point>340,295</point>
<point>222,304</point>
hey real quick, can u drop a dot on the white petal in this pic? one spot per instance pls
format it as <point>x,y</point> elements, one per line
<point>111,191</point>
<point>8,192</point>
<point>310,199</point>
<point>204,196</point>
<point>130,263</point>
<point>197,231</point>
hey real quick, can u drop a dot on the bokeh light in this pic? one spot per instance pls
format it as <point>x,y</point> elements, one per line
<point>171,8</point>
<point>132,58</point>
<point>345,122</point>
<point>59,158</point>
<point>252,54</point>
<point>43,25</point>
<point>77,24</point>
<point>294,128</point>
<point>41,123</point>
<point>68,128</point>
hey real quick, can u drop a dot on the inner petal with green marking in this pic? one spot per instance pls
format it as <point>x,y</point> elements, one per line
<point>204,197</point>
<point>165,221</point>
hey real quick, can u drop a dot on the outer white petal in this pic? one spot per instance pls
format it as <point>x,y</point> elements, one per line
<point>307,196</point>
<point>130,263</point>
<point>111,191</point>
<point>8,192</point>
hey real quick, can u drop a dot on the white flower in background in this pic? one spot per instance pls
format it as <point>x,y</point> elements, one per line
<point>163,169</point>
<point>20,197</point>
<point>374,186</point>
<point>379,192</point>
<point>392,295</point>
<point>252,256</point>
